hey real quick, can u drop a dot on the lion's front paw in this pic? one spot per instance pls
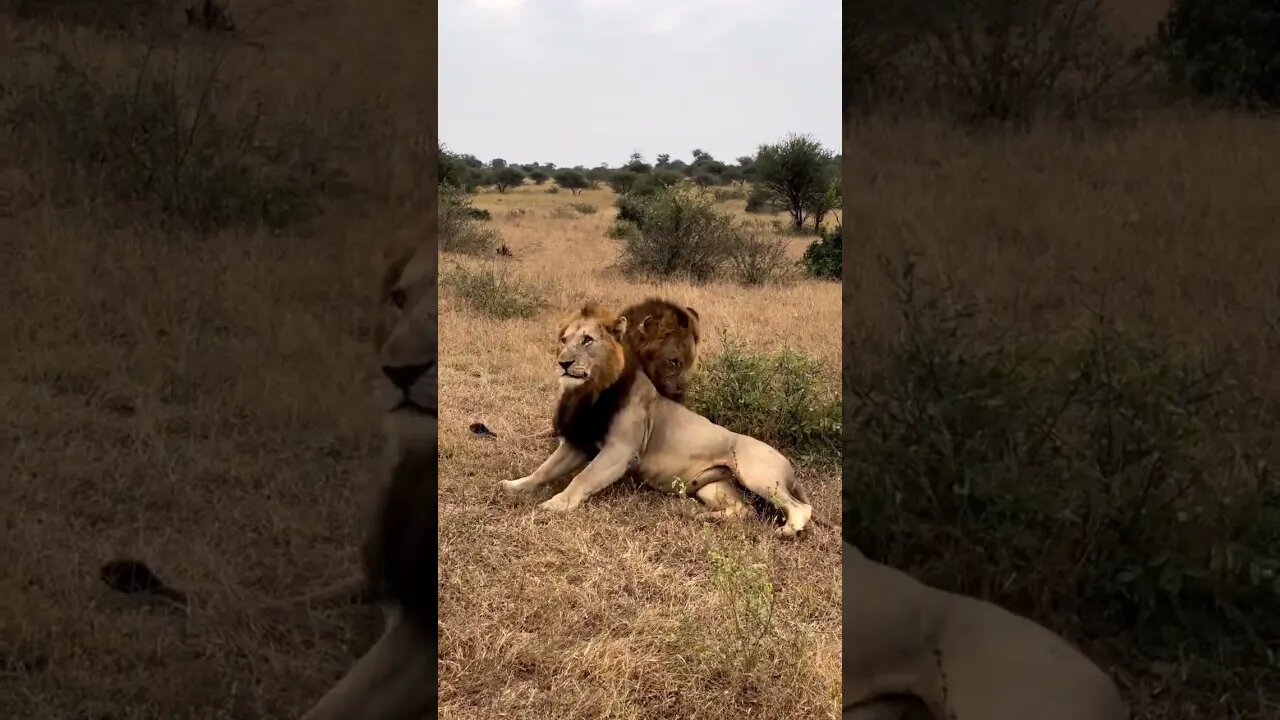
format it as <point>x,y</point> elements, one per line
<point>513,487</point>
<point>559,503</point>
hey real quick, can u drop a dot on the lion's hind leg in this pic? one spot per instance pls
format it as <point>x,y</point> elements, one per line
<point>765,472</point>
<point>722,497</point>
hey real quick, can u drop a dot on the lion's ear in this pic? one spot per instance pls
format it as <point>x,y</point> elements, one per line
<point>692,313</point>
<point>645,325</point>
<point>619,327</point>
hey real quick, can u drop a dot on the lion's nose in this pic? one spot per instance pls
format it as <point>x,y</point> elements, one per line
<point>404,376</point>
<point>566,364</point>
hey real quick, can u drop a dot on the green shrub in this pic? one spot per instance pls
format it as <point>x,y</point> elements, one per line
<point>681,235</point>
<point>156,139</point>
<point>623,230</point>
<point>585,208</point>
<point>461,229</point>
<point>495,292</point>
<point>756,259</point>
<point>824,256</point>
<point>786,399</point>
<point>761,200</point>
<point>1100,483</point>
<point>1225,49</point>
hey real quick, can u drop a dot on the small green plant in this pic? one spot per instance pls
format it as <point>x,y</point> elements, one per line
<point>495,291</point>
<point>585,208</point>
<point>746,596</point>
<point>786,399</point>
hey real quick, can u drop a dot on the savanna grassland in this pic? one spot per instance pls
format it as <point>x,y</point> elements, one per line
<point>1061,369</point>
<point>191,234</point>
<point>627,607</point>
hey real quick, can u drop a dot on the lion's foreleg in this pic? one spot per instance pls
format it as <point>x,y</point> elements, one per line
<point>393,681</point>
<point>604,469</point>
<point>563,461</point>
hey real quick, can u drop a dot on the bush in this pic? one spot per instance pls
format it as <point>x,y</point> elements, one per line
<point>630,209</point>
<point>1112,488</point>
<point>986,61</point>
<point>160,140</point>
<point>623,230</point>
<point>824,258</point>
<point>572,180</point>
<point>460,229</point>
<point>1226,49</point>
<point>756,259</point>
<point>786,399</point>
<point>722,195</point>
<point>762,201</point>
<point>681,234</point>
<point>585,208</point>
<point>495,292</point>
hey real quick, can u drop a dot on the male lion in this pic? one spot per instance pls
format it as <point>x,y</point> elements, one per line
<point>394,679</point>
<point>612,420</point>
<point>914,651</point>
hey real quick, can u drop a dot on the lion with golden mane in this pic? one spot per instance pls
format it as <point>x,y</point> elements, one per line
<point>612,421</point>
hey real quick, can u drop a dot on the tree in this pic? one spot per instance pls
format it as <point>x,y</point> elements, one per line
<point>733,175</point>
<point>793,170</point>
<point>538,177</point>
<point>664,159</point>
<point>572,180</point>
<point>507,177</point>
<point>820,204</point>
<point>637,164</point>
<point>497,164</point>
<point>623,180</point>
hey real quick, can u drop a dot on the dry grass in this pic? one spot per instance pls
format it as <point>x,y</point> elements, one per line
<point>1167,226</point>
<point>612,612</point>
<point>198,401</point>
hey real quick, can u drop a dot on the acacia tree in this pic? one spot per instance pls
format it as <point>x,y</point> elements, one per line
<point>507,177</point>
<point>572,180</point>
<point>794,171</point>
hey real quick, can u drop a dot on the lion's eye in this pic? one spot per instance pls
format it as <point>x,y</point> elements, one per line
<point>397,298</point>
<point>564,340</point>
<point>587,339</point>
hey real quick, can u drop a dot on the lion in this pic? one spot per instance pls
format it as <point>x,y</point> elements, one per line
<point>395,678</point>
<point>914,652</point>
<point>612,420</point>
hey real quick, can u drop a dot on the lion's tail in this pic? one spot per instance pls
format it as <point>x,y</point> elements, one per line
<point>802,495</point>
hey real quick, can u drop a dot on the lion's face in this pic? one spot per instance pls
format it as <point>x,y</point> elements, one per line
<point>406,349</point>
<point>669,355</point>
<point>591,353</point>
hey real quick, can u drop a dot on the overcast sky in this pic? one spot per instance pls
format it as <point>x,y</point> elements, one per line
<point>580,82</point>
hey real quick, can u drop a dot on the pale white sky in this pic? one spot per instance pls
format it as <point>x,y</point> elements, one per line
<point>580,82</point>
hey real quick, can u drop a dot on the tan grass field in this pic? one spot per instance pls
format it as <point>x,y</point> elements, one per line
<point>612,611</point>
<point>198,401</point>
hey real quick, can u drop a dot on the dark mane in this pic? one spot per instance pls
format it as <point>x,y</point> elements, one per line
<point>658,308</point>
<point>400,553</point>
<point>583,420</point>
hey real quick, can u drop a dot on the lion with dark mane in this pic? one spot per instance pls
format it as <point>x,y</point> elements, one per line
<point>612,420</point>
